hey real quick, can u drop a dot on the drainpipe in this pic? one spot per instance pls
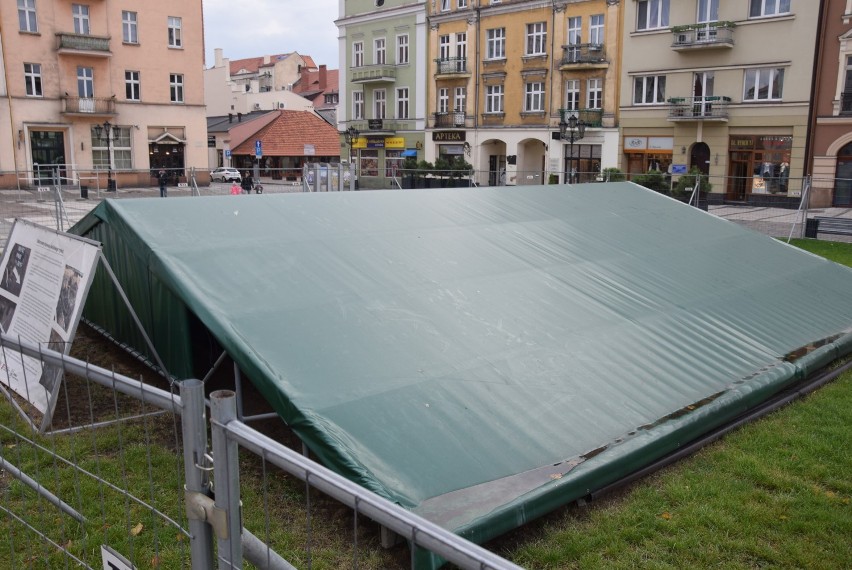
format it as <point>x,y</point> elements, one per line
<point>16,139</point>
<point>478,63</point>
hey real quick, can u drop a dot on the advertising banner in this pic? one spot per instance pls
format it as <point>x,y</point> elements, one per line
<point>45,278</point>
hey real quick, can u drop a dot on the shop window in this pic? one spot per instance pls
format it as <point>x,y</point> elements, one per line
<point>369,162</point>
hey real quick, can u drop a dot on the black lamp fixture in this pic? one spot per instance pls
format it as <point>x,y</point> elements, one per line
<point>107,129</point>
<point>351,135</point>
<point>571,130</point>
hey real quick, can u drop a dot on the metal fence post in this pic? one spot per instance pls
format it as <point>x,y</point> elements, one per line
<point>194,427</point>
<point>223,409</point>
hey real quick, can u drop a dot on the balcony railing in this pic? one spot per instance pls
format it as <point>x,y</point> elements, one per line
<point>708,108</point>
<point>456,120</point>
<point>88,105</point>
<point>846,103</point>
<point>374,74</point>
<point>578,54</point>
<point>452,66</point>
<point>703,36</point>
<point>78,42</point>
<point>592,117</point>
<point>369,126</point>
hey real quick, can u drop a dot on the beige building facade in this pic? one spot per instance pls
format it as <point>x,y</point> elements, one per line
<point>723,86</point>
<point>102,90</point>
<point>505,73</point>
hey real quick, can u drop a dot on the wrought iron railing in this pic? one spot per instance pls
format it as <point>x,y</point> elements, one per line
<point>451,65</point>
<point>592,117</point>
<point>699,108</point>
<point>583,53</point>
<point>449,120</point>
<point>81,42</point>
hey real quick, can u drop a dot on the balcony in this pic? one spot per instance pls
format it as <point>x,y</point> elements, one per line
<point>712,35</point>
<point>455,120</point>
<point>78,44</point>
<point>89,106</point>
<point>451,67</point>
<point>374,74</point>
<point>583,55</point>
<point>709,108</point>
<point>592,117</point>
<point>383,126</point>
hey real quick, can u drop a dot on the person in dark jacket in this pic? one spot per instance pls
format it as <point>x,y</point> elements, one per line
<point>247,184</point>
<point>162,177</point>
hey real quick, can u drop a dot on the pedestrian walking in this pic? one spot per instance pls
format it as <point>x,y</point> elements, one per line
<point>162,177</point>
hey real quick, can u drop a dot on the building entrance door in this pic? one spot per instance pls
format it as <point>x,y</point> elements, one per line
<point>48,153</point>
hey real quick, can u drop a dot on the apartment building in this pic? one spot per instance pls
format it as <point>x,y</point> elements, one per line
<point>382,85</point>
<point>720,85</point>
<point>102,87</point>
<point>504,73</point>
<point>831,142</point>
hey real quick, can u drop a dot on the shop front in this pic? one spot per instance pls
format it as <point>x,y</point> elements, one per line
<point>379,160</point>
<point>644,154</point>
<point>758,164</point>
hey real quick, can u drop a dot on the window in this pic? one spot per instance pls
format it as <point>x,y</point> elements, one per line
<point>85,82</point>
<point>768,8</point>
<point>357,104</point>
<point>494,99</point>
<point>534,97</point>
<point>445,5</point>
<point>594,94</point>
<point>393,163</point>
<point>119,145</point>
<point>572,94</point>
<point>460,99</point>
<point>132,86</point>
<point>462,3</point>
<point>32,78</point>
<point>575,28</point>
<point>461,45</point>
<point>402,49</point>
<point>129,27</point>
<point>379,104</point>
<point>763,84</point>
<point>596,29</point>
<point>379,51</point>
<point>443,100</point>
<point>444,47</point>
<point>649,90</point>
<point>369,162</point>
<point>358,54</point>
<point>176,87</point>
<point>402,103</point>
<point>652,14</point>
<point>536,38</point>
<point>496,43</point>
<point>708,11</point>
<point>174,32</point>
<point>27,16</point>
<point>80,12</point>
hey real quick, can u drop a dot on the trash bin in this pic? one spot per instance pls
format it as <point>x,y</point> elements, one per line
<point>84,191</point>
<point>111,185</point>
<point>811,228</point>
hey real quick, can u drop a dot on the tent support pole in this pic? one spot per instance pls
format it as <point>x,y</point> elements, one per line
<point>214,367</point>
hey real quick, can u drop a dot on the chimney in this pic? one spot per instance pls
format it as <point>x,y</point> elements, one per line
<point>218,55</point>
<point>323,75</point>
<point>265,60</point>
<point>303,79</point>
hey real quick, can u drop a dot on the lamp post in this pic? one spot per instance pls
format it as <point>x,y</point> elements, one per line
<point>351,135</point>
<point>107,129</point>
<point>571,130</point>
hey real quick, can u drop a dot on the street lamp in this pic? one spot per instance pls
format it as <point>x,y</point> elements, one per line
<point>351,135</point>
<point>571,130</point>
<point>107,128</point>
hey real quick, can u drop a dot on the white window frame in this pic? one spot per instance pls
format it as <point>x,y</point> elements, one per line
<point>460,99</point>
<point>445,5</point>
<point>402,102</point>
<point>402,49</point>
<point>115,154</point>
<point>175,26</point>
<point>494,99</point>
<point>657,86</point>
<point>80,14</point>
<point>708,11</point>
<point>534,97</point>
<point>572,94</point>
<point>85,82</point>
<point>596,29</point>
<point>462,4</point>
<point>752,79</point>
<point>536,43</point>
<point>444,47</point>
<point>594,93</point>
<point>443,100</point>
<point>132,85</point>
<point>357,105</point>
<point>176,87</point>
<point>380,104</point>
<point>575,30</point>
<point>129,27</point>
<point>27,17</point>
<point>358,54</point>
<point>379,51</point>
<point>461,45</point>
<point>495,41</point>
<point>768,8</point>
<point>652,14</point>
<point>33,80</point>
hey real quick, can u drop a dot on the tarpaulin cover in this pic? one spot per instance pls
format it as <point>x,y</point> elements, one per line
<point>484,355</point>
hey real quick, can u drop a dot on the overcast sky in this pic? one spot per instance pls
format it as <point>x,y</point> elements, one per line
<point>252,28</point>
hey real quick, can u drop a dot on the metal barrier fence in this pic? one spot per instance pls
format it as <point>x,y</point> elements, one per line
<point>128,474</point>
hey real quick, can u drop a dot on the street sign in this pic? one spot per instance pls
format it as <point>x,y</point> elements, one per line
<point>678,169</point>
<point>227,153</point>
<point>258,149</point>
